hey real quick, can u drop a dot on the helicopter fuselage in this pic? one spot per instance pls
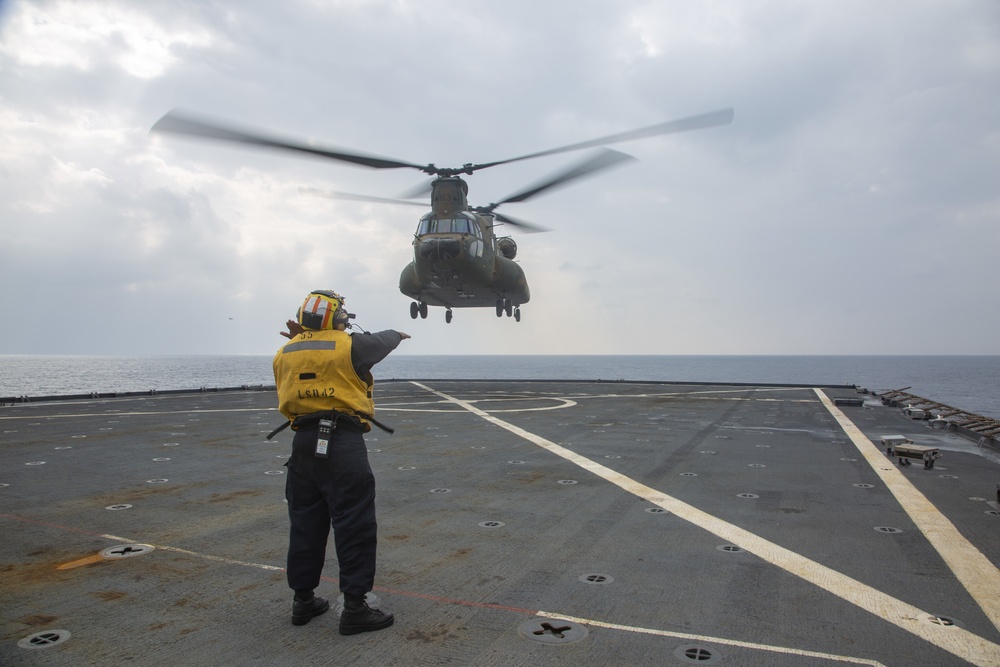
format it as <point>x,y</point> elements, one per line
<point>457,259</point>
<point>457,263</point>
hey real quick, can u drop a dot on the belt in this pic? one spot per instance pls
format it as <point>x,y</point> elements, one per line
<point>311,420</point>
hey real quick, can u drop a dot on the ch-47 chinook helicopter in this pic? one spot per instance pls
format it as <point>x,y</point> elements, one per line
<point>458,260</point>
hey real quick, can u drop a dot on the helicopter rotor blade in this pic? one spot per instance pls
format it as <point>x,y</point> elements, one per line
<point>701,121</point>
<point>527,227</point>
<point>332,194</point>
<point>603,159</point>
<point>175,122</point>
<point>422,190</point>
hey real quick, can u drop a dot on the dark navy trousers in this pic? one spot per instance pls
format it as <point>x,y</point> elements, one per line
<point>337,492</point>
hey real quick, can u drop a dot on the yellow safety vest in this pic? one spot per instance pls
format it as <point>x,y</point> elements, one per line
<point>313,372</point>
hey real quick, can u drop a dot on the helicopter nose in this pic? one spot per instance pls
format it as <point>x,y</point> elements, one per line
<point>437,249</point>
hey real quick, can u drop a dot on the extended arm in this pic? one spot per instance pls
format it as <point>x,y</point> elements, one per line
<point>369,349</point>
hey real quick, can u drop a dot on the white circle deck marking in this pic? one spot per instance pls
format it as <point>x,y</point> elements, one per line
<point>430,405</point>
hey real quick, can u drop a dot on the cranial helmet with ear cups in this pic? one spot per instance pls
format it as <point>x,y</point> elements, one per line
<point>322,309</point>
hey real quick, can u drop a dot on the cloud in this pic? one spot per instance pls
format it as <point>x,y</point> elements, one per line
<point>83,35</point>
<point>854,194</point>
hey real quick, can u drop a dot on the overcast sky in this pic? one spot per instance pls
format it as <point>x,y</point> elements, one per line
<point>853,206</point>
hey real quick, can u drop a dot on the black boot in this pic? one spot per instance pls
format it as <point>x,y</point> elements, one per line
<point>359,617</point>
<point>303,609</point>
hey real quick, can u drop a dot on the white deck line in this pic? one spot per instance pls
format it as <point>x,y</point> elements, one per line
<point>955,640</point>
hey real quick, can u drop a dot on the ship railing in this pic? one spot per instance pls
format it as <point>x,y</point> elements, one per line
<point>968,424</point>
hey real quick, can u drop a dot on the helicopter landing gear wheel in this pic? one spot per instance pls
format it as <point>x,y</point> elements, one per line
<point>447,316</point>
<point>414,309</point>
<point>423,310</point>
<point>500,306</point>
<point>508,307</point>
<point>517,314</point>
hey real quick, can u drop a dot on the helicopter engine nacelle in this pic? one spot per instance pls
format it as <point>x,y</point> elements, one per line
<point>507,247</point>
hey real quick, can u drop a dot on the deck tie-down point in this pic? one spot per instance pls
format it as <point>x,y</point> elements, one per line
<point>552,631</point>
<point>127,551</point>
<point>697,654</point>
<point>548,628</point>
<point>44,639</point>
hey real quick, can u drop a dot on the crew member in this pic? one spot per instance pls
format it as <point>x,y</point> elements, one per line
<point>324,383</point>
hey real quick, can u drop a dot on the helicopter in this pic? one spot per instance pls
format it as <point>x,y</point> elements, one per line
<point>458,259</point>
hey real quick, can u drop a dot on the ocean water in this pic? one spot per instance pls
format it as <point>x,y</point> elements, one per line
<point>971,383</point>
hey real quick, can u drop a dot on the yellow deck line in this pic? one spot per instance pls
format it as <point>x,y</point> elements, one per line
<point>980,577</point>
<point>955,640</point>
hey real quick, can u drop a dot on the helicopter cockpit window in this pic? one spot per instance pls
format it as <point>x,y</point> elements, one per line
<point>431,225</point>
<point>454,226</point>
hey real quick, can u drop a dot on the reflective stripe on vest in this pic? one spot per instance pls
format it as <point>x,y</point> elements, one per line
<point>310,345</point>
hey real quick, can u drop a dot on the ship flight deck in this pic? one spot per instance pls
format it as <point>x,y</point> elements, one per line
<point>520,523</point>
